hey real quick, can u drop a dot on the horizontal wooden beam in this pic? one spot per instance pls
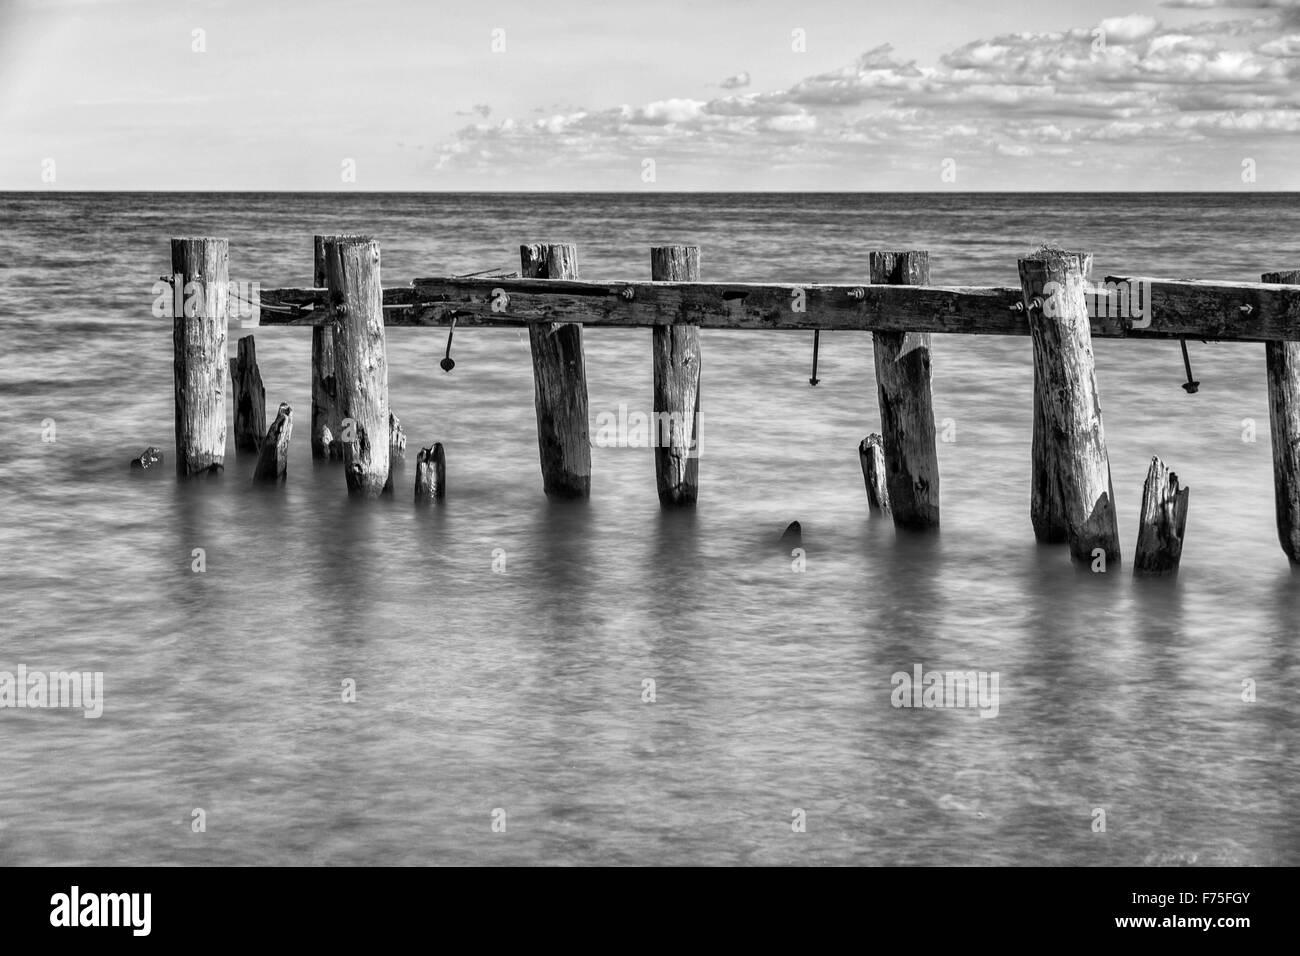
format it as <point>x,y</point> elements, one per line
<point>718,305</point>
<point>1229,311</point>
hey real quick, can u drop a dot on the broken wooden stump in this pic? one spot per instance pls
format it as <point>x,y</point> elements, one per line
<point>675,351</point>
<point>559,381</point>
<point>1070,443</point>
<point>430,474</point>
<point>1161,524</point>
<point>396,440</point>
<point>202,267</point>
<point>871,455</point>
<point>906,408</point>
<point>250,396</point>
<point>273,457</point>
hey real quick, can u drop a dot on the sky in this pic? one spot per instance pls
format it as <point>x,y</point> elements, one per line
<point>802,95</point>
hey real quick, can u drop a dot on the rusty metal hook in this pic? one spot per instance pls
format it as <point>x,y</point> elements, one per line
<point>448,363</point>
<point>1189,386</point>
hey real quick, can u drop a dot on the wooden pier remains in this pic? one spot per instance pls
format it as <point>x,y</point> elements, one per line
<point>200,276</point>
<point>559,381</point>
<point>250,396</point>
<point>676,358</point>
<point>1071,482</point>
<point>906,412</point>
<point>356,311</point>
<point>1282,366</point>
<point>1056,305</point>
<point>326,423</point>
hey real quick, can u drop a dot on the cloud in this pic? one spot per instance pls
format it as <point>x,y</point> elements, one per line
<point>1129,82</point>
<point>1287,10</point>
<point>664,112</point>
<point>735,82</point>
<point>1232,4</point>
<point>1128,29</point>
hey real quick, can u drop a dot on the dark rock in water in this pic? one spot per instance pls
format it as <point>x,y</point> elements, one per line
<point>151,457</point>
<point>793,533</point>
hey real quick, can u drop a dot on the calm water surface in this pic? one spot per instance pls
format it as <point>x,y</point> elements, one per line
<point>523,690</point>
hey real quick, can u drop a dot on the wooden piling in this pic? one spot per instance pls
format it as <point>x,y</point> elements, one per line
<point>559,381</point>
<point>676,357</point>
<point>360,361</point>
<point>1069,434</point>
<point>326,440</point>
<point>1282,363</point>
<point>906,409</point>
<point>871,455</point>
<point>199,353</point>
<point>1161,524</point>
<point>249,395</point>
<point>1045,508</point>
<point>273,456</point>
<point>430,474</point>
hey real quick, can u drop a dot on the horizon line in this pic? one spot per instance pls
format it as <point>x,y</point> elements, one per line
<point>658,192</point>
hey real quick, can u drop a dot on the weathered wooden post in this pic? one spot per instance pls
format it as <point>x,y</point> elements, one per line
<point>430,474</point>
<point>202,266</point>
<point>1282,362</point>
<point>1160,527</point>
<point>559,381</point>
<point>273,457</point>
<point>326,441</point>
<point>360,360</point>
<point>676,357</point>
<point>906,410</point>
<point>871,455</point>
<point>1072,440</point>
<point>250,396</point>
